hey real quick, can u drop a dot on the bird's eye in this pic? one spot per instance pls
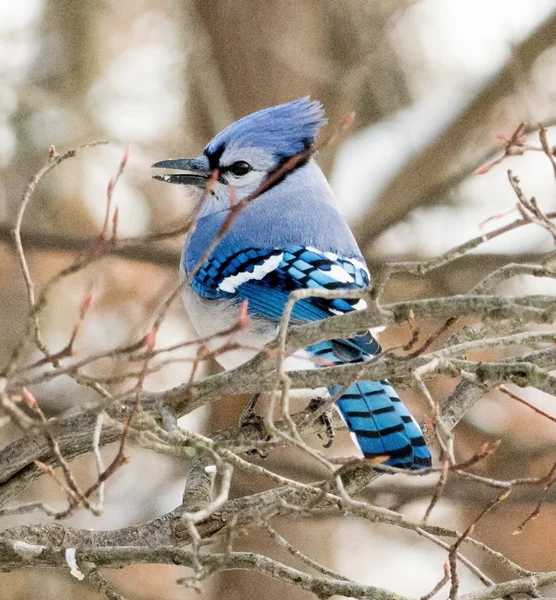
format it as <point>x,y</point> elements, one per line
<point>240,168</point>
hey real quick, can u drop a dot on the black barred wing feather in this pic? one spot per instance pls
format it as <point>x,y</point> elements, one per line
<point>265,277</point>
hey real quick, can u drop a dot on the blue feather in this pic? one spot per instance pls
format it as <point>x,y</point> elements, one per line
<point>285,129</point>
<point>372,409</point>
<point>376,415</point>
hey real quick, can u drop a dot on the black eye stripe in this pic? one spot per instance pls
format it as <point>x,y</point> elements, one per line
<point>214,157</point>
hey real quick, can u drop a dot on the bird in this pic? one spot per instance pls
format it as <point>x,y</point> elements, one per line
<point>289,237</point>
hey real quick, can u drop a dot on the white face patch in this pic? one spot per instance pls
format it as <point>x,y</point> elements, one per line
<point>242,187</point>
<point>247,183</point>
<point>231,283</point>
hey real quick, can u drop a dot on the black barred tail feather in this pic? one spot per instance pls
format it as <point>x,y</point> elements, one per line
<point>374,412</point>
<point>382,425</point>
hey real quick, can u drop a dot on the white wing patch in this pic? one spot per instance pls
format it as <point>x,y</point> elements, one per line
<point>359,265</point>
<point>339,274</point>
<point>231,283</point>
<point>334,257</point>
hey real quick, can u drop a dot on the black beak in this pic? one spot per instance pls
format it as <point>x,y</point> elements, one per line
<point>198,175</point>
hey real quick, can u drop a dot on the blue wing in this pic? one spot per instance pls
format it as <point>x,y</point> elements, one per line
<point>265,277</point>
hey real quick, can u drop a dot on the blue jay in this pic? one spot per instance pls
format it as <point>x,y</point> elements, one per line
<point>288,238</point>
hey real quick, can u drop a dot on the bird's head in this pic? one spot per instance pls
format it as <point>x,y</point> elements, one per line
<point>244,154</point>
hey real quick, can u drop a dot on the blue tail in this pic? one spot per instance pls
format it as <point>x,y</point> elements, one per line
<point>382,424</point>
<point>374,412</point>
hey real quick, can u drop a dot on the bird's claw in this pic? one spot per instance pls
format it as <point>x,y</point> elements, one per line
<point>249,418</point>
<point>325,419</point>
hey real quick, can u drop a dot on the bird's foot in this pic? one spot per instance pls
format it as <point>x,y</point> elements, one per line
<point>315,404</point>
<point>249,418</point>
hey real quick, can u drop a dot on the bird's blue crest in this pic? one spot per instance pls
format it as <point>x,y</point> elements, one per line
<point>284,130</point>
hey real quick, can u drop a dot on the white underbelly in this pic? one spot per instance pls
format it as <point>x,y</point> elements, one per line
<point>212,317</point>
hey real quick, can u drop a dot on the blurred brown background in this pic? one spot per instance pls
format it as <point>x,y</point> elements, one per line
<point>432,83</point>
